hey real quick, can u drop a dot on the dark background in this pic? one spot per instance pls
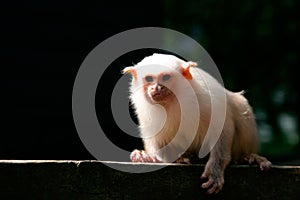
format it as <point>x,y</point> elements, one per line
<point>255,45</point>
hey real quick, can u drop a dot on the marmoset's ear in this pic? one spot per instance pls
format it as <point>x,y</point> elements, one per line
<point>130,70</point>
<point>186,70</point>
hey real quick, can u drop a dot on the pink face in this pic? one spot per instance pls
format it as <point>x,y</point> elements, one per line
<point>157,87</point>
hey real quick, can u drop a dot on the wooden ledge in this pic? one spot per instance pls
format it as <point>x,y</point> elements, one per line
<point>54,179</point>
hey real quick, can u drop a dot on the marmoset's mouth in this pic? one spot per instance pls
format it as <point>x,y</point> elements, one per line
<point>159,96</point>
<point>156,93</point>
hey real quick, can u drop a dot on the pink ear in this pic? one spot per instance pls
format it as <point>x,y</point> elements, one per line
<point>130,70</point>
<point>186,70</point>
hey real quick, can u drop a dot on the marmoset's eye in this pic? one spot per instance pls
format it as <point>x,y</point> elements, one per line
<point>149,79</point>
<point>166,77</point>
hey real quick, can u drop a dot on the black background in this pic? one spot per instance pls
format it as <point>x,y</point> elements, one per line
<point>43,44</point>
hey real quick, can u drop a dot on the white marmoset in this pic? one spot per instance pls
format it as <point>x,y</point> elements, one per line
<point>173,101</point>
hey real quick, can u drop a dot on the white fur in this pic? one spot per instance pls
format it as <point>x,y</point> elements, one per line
<point>173,131</point>
<point>159,125</point>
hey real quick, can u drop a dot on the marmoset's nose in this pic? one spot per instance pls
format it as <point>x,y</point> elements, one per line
<point>156,87</point>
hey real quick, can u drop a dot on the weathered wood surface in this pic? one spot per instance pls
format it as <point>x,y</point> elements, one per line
<point>95,180</point>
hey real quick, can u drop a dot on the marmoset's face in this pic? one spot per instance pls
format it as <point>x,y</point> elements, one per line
<point>157,88</point>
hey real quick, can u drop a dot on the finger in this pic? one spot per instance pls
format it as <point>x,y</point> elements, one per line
<point>219,188</point>
<point>212,189</point>
<point>207,184</point>
<point>205,175</point>
<point>135,156</point>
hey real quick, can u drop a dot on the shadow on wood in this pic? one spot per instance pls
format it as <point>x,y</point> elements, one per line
<point>95,180</point>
